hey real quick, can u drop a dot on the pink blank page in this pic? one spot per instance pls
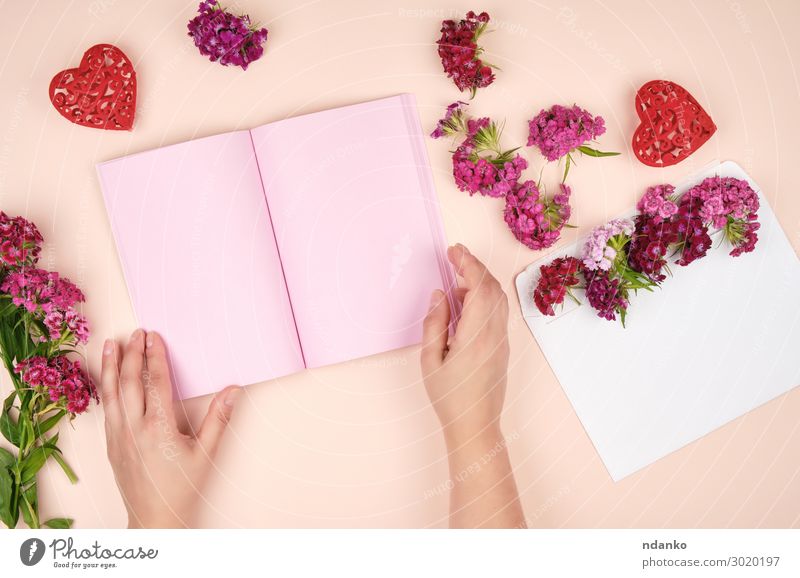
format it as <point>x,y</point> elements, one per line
<point>357,225</point>
<point>194,237</point>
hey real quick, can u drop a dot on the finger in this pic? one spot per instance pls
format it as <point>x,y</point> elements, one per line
<point>132,392</point>
<point>458,294</point>
<point>217,418</point>
<point>109,383</point>
<point>157,382</point>
<point>434,333</point>
<point>469,267</point>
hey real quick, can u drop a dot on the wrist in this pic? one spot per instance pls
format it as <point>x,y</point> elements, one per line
<point>472,439</point>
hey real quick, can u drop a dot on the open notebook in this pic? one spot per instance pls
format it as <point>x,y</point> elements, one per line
<point>304,242</point>
<point>717,340</point>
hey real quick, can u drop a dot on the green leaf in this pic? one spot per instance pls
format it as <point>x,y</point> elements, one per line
<point>588,151</point>
<point>59,523</point>
<point>51,442</point>
<point>65,466</point>
<point>8,427</point>
<point>48,424</point>
<point>7,487</point>
<point>566,169</point>
<point>30,506</point>
<point>7,459</point>
<point>33,463</point>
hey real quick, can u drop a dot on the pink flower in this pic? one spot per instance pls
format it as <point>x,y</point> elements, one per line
<point>20,242</point>
<point>559,130</point>
<point>62,380</point>
<point>50,298</point>
<point>480,165</point>
<point>729,204</point>
<point>535,220</point>
<point>724,197</point>
<point>597,254</point>
<point>657,202</point>
<point>488,176</point>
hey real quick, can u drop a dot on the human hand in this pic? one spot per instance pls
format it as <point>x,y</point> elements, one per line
<point>466,379</point>
<point>161,471</point>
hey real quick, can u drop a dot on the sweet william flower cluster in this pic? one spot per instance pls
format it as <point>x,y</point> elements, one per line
<point>560,131</point>
<point>480,164</point>
<point>534,219</point>
<point>60,379</point>
<point>40,325</point>
<point>461,55</point>
<point>48,298</point>
<point>624,256</point>
<point>226,38</point>
<point>21,242</point>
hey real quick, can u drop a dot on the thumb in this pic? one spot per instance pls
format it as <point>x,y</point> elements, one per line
<point>217,417</point>
<point>434,333</point>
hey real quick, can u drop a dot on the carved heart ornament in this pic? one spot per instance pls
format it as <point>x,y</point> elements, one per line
<point>100,93</point>
<point>672,124</point>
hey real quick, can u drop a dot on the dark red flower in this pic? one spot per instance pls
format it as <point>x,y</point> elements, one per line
<point>460,53</point>
<point>557,277</point>
<point>693,237</point>
<point>605,295</point>
<point>649,245</point>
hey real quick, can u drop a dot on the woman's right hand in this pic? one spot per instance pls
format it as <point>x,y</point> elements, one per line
<point>466,378</point>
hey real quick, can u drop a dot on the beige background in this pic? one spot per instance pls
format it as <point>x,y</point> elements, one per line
<point>357,444</point>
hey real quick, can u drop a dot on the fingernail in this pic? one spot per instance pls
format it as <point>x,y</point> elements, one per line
<point>135,335</point>
<point>149,340</point>
<point>108,347</point>
<point>230,398</point>
<point>463,248</point>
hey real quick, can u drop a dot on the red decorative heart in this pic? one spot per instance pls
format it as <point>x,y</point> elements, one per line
<point>100,93</point>
<point>673,124</point>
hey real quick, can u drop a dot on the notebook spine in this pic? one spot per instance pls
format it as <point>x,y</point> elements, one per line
<point>433,210</point>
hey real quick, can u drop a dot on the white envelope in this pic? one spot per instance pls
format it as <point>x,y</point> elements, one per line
<point>719,338</point>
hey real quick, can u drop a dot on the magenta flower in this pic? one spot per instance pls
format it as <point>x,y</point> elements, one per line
<point>480,165</point>
<point>723,198</point>
<point>657,202</point>
<point>20,242</point>
<point>729,204</point>
<point>224,37</point>
<point>535,220</point>
<point>605,295</point>
<point>50,298</point>
<point>559,131</point>
<point>62,380</point>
